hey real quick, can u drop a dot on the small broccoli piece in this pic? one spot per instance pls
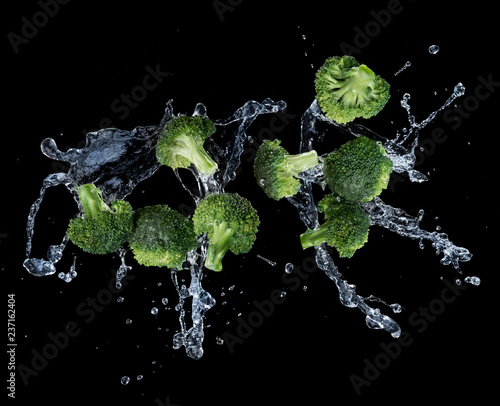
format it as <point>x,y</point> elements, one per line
<point>181,144</point>
<point>162,237</point>
<point>346,90</point>
<point>359,170</point>
<point>103,229</point>
<point>230,222</point>
<point>276,171</point>
<point>346,226</point>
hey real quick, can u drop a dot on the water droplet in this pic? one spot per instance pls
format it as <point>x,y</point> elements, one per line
<point>473,280</point>
<point>139,377</point>
<point>458,282</point>
<point>125,380</point>
<point>128,321</point>
<point>289,267</point>
<point>304,288</point>
<point>459,89</point>
<point>164,301</point>
<point>283,294</point>
<point>219,341</point>
<point>433,49</point>
<point>154,311</point>
<point>262,182</point>
<point>303,36</point>
<point>120,299</point>
<point>231,287</point>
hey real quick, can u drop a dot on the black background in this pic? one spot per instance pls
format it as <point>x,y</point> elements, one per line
<point>63,82</point>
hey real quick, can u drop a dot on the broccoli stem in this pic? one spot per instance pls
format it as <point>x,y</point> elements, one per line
<point>220,241</point>
<point>91,200</point>
<point>313,238</point>
<point>198,156</point>
<point>302,162</point>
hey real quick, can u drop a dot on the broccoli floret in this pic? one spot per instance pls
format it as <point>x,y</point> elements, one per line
<point>230,222</point>
<point>359,170</point>
<point>346,226</point>
<point>162,237</point>
<point>181,144</point>
<point>276,171</point>
<point>346,90</point>
<point>103,229</point>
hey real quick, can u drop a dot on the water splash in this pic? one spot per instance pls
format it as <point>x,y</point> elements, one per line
<point>401,150</point>
<point>406,66</point>
<point>116,161</point>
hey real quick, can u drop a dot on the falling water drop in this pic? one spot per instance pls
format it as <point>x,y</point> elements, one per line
<point>433,49</point>
<point>125,380</point>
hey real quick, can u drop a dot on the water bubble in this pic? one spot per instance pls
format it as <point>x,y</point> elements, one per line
<point>120,299</point>
<point>289,267</point>
<point>128,321</point>
<point>164,301</point>
<point>283,294</point>
<point>433,49</point>
<point>139,377</point>
<point>154,311</point>
<point>125,380</point>
<point>219,341</point>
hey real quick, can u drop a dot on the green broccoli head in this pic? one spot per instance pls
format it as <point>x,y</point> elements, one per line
<point>359,170</point>
<point>346,226</point>
<point>181,144</point>
<point>103,229</point>
<point>230,222</point>
<point>346,90</point>
<point>162,237</point>
<point>276,171</point>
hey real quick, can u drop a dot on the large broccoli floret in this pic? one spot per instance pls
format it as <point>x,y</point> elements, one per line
<point>162,237</point>
<point>346,90</point>
<point>359,170</point>
<point>277,172</point>
<point>230,222</point>
<point>103,229</point>
<point>346,226</point>
<point>181,144</point>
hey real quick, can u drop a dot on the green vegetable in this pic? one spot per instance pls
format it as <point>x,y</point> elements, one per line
<point>181,144</point>
<point>162,237</point>
<point>230,222</point>
<point>346,90</point>
<point>346,226</point>
<point>103,229</point>
<point>277,172</point>
<point>359,170</point>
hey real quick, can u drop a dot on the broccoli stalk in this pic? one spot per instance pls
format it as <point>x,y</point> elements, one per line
<point>277,171</point>
<point>302,162</point>
<point>192,150</point>
<point>103,229</point>
<point>314,238</point>
<point>220,242</point>
<point>91,200</point>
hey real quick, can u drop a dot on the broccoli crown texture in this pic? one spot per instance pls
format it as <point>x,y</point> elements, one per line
<point>162,237</point>
<point>230,222</point>
<point>346,90</point>
<point>346,226</point>
<point>181,144</point>
<point>103,229</point>
<point>359,170</point>
<point>276,171</point>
